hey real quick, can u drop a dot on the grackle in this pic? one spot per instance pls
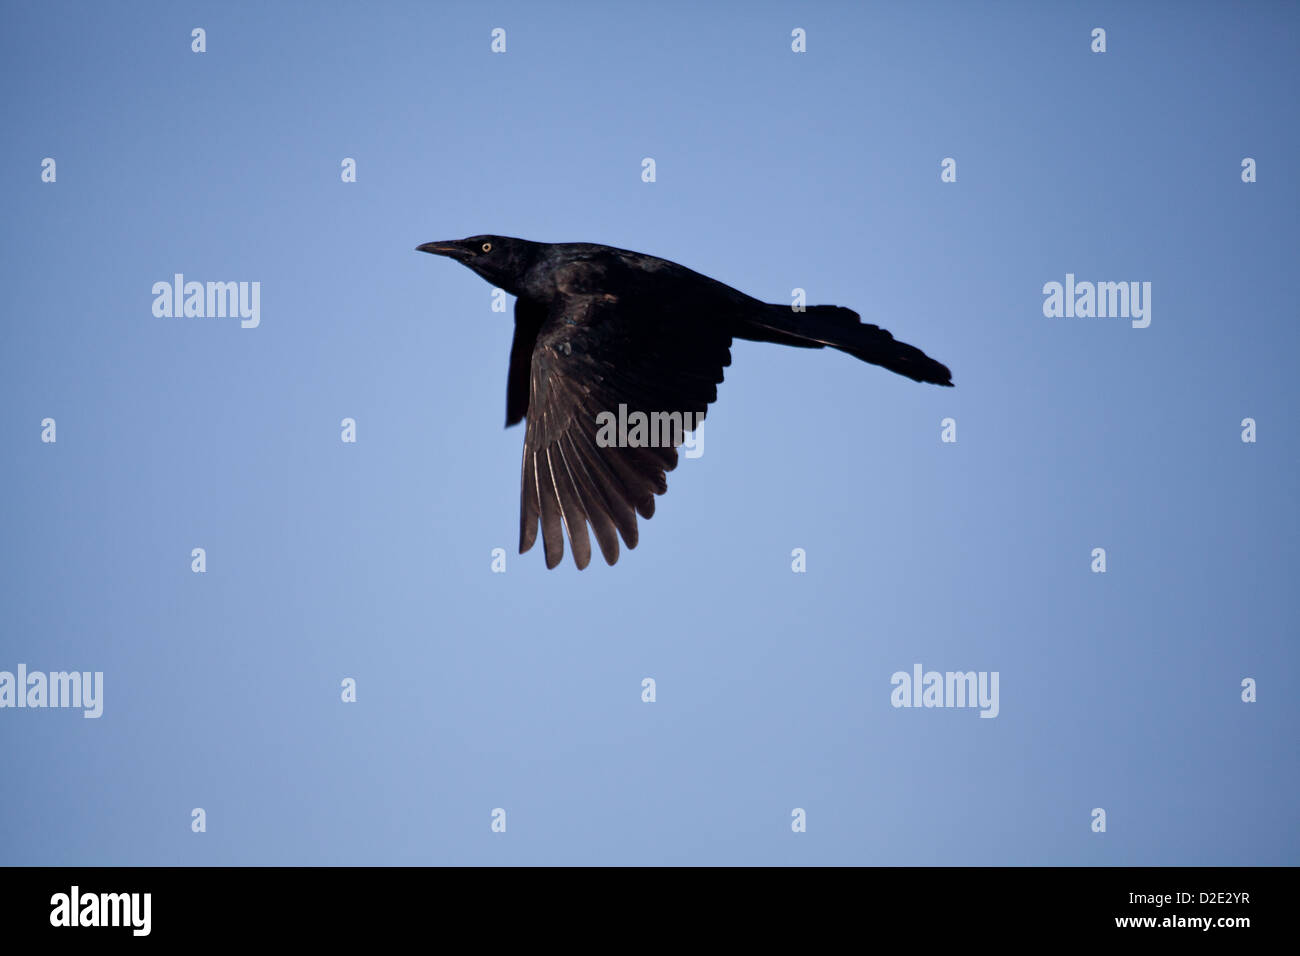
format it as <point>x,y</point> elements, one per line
<point>600,331</point>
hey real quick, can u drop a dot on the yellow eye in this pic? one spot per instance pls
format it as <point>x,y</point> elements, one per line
<point>487,247</point>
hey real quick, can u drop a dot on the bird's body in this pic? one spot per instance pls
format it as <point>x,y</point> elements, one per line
<point>599,329</point>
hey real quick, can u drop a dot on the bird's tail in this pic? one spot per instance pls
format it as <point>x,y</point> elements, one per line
<point>830,325</point>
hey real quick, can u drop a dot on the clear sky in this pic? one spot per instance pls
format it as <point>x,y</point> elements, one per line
<point>775,170</point>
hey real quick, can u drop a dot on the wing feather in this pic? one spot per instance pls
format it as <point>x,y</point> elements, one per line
<point>648,350</point>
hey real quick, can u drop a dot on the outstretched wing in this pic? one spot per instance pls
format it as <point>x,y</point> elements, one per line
<point>598,356</point>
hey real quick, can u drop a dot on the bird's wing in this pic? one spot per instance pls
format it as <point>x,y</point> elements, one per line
<point>648,349</point>
<point>529,318</point>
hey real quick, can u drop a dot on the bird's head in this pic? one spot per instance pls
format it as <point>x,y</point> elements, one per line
<point>501,260</point>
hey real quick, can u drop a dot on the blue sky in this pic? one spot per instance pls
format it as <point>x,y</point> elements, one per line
<point>775,170</point>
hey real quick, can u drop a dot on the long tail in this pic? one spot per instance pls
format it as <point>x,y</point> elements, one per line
<point>830,325</point>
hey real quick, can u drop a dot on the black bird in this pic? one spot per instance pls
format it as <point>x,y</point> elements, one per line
<point>598,327</point>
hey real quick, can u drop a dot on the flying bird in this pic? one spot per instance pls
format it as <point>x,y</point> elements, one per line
<point>600,330</point>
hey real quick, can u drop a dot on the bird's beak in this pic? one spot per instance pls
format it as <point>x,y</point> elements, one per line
<point>441,249</point>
